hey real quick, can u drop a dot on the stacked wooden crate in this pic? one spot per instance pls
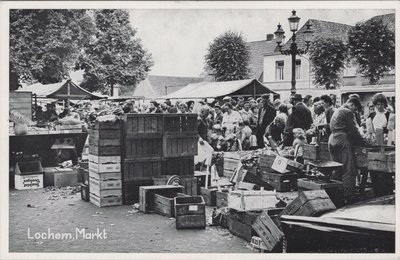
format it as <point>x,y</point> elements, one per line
<point>142,153</point>
<point>105,164</point>
<point>179,148</point>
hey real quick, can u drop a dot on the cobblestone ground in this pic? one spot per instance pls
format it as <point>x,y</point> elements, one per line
<point>127,232</point>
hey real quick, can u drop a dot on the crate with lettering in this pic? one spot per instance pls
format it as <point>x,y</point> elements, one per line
<point>101,164</point>
<point>105,200</point>
<point>190,212</point>
<point>105,181</point>
<point>29,182</point>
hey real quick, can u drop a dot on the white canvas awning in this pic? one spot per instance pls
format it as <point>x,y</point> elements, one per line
<point>248,87</point>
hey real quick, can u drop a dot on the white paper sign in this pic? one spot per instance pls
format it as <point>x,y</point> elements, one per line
<point>280,164</point>
<point>193,207</point>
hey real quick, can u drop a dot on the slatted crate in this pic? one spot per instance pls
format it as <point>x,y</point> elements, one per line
<point>141,168</point>
<point>147,195</point>
<point>239,223</point>
<point>333,188</point>
<point>103,164</point>
<point>178,166</point>
<point>180,123</point>
<point>317,152</point>
<point>190,212</point>
<point>104,133</point>
<point>105,201</point>
<point>143,146</point>
<point>143,123</point>
<point>180,144</point>
<point>282,182</point>
<point>105,150</point>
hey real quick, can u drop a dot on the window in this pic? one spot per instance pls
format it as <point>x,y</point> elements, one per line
<point>298,65</point>
<point>279,70</point>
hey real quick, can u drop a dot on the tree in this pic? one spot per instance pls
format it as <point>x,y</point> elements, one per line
<point>44,44</point>
<point>328,58</point>
<point>228,57</point>
<point>372,45</point>
<point>114,56</point>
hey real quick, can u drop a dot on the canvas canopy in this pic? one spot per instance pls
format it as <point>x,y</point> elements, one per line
<point>248,87</point>
<point>62,90</point>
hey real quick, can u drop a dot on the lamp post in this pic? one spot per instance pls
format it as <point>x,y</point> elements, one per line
<point>293,50</point>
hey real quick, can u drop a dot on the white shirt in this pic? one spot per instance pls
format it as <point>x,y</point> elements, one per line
<point>379,121</point>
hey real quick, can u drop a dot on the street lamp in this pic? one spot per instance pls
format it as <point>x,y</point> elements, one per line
<point>294,50</point>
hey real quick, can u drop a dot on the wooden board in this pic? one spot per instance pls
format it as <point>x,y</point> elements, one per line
<point>146,195</point>
<point>104,142</point>
<point>107,176</point>
<point>97,186</point>
<point>180,145</point>
<point>103,168</point>
<point>104,159</point>
<point>141,168</point>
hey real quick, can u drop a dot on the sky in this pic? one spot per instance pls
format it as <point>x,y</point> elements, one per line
<point>178,38</point>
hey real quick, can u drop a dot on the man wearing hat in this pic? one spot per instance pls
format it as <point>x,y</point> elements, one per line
<point>344,137</point>
<point>218,115</point>
<point>299,118</point>
<point>266,115</point>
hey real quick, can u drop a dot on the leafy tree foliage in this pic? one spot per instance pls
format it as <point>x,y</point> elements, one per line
<point>114,56</point>
<point>44,44</point>
<point>328,57</point>
<point>228,57</point>
<point>372,45</point>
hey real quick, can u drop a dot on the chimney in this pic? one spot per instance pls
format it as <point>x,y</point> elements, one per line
<point>270,37</point>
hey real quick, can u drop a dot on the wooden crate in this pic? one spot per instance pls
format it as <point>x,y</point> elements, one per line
<point>221,199</point>
<point>106,176</point>
<point>266,161</point>
<point>268,231</point>
<point>209,195</point>
<point>104,159</point>
<point>190,212</point>
<point>240,223</point>
<point>60,177</point>
<point>143,146</point>
<point>130,189</point>
<point>164,203</point>
<point>106,201</point>
<point>178,166</point>
<point>105,150</point>
<point>190,185</point>
<point>105,134</point>
<point>97,185</point>
<point>254,176</point>
<point>104,167</point>
<point>333,188</point>
<point>104,142</point>
<point>310,203</point>
<point>382,161</point>
<point>281,182</point>
<point>142,123</point>
<point>317,152</point>
<point>180,145</point>
<point>141,168</point>
<point>241,200</point>
<point>28,168</point>
<point>28,182</point>
<point>180,123</point>
<point>146,195</point>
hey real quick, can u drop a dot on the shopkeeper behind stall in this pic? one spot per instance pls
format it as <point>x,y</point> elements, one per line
<point>344,137</point>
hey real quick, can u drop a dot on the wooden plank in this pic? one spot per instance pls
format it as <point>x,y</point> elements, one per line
<point>105,201</point>
<point>105,150</point>
<point>104,159</point>
<point>99,186</point>
<point>109,176</point>
<point>104,134</point>
<point>104,142</point>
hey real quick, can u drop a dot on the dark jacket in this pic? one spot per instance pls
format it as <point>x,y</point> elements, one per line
<point>202,128</point>
<point>268,117</point>
<point>299,118</point>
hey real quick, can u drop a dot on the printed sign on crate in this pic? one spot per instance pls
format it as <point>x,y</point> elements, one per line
<point>28,182</point>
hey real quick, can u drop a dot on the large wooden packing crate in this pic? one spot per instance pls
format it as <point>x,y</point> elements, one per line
<point>164,203</point>
<point>239,223</point>
<point>178,166</point>
<point>269,232</point>
<point>141,168</point>
<point>180,144</point>
<point>99,182</point>
<point>104,134</point>
<point>383,161</point>
<point>143,124</point>
<point>105,201</point>
<point>180,123</point>
<point>130,189</point>
<point>143,146</point>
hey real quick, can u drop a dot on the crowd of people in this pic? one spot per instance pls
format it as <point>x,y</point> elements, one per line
<point>232,124</point>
